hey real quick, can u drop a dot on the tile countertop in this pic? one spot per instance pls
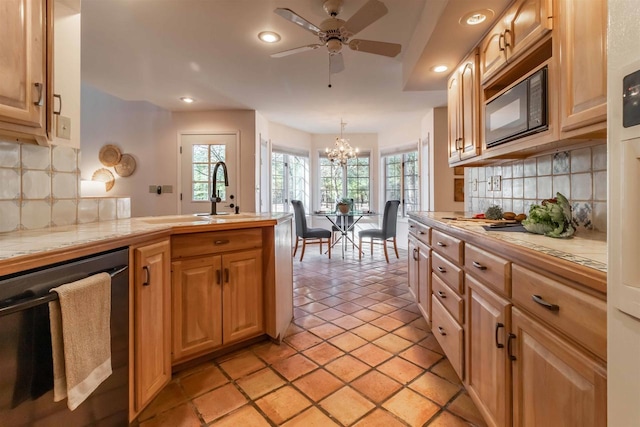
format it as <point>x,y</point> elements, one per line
<point>25,247</point>
<point>586,248</point>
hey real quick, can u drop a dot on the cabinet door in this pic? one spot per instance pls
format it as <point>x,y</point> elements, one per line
<point>583,63</point>
<point>424,280</point>
<point>196,301</point>
<point>529,21</point>
<point>242,295</point>
<point>152,321</point>
<point>493,54</point>
<point>488,373</point>
<point>453,113</point>
<point>414,258</point>
<point>24,86</point>
<point>554,383</point>
<point>469,108</point>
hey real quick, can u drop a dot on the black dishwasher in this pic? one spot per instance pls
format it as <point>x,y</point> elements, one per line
<point>26,379</point>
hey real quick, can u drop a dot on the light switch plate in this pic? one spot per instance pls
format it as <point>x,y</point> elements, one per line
<point>497,183</point>
<point>63,127</point>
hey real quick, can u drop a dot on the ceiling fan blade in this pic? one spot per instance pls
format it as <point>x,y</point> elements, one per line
<point>290,15</point>
<point>295,50</point>
<point>367,15</point>
<point>378,48</point>
<point>336,62</point>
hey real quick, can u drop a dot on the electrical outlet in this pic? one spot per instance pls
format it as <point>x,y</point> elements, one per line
<point>489,183</point>
<point>497,183</point>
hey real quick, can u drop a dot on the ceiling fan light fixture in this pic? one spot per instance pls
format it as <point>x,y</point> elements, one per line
<point>439,68</point>
<point>269,37</point>
<point>334,45</point>
<point>187,99</point>
<point>476,17</point>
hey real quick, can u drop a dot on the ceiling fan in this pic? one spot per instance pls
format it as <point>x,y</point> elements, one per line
<point>334,32</point>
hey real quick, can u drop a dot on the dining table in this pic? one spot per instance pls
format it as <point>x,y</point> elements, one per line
<point>341,220</point>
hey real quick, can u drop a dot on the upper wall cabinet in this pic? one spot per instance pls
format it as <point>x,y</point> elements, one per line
<point>463,96</point>
<point>582,49</point>
<point>26,94</point>
<point>526,22</point>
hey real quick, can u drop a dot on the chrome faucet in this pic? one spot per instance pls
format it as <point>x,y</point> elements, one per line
<point>215,198</point>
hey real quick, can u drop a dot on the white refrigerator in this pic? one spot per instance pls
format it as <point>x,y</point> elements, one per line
<point>623,230</point>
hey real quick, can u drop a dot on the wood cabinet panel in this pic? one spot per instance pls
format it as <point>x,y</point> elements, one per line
<point>449,334</point>
<point>413,267</point>
<point>448,298</point>
<point>447,245</point>
<point>464,110</point>
<point>448,272</point>
<point>453,117</point>
<point>424,280</point>
<point>492,270</point>
<point>529,21</point>
<point>420,231</point>
<point>215,242</point>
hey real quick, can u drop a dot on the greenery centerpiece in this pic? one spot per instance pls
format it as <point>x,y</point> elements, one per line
<point>344,205</point>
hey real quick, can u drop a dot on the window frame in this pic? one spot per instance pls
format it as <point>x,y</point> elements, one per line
<point>405,206</point>
<point>287,187</point>
<point>343,190</point>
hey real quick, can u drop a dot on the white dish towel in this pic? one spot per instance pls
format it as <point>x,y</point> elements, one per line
<point>81,337</point>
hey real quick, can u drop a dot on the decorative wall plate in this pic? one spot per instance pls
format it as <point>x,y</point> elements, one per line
<point>104,175</point>
<point>109,155</point>
<point>126,166</point>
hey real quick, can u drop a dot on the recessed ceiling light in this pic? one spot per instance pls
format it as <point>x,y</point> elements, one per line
<point>476,17</point>
<point>269,37</point>
<point>439,68</point>
<point>187,99</point>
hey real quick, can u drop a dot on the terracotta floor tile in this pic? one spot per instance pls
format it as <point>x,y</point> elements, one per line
<point>421,356</point>
<point>380,418</point>
<point>406,303</point>
<point>446,371</point>
<point>303,340</point>
<point>404,315</point>
<point>332,301</point>
<point>383,308</point>
<point>400,370</point>
<point>348,322</point>
<point>346,405</point>
<point>380,296</point>
<point>326,330</point>
<point>241,365</point>
<point>414,409</point>
<point>308,321</point>
<point>347,341</point>
<point>387,323</point>
<point>371,354</point>
<point>170,397</point>
<point>313,307</point>
<point>271,352</point>
<point>301,300</point>
<point>245,416</point>
<point>420,323</point>
<point>392,343</point>
<point>463,407</point>
<point>447,419</point>
<point>330,314</point>
<point>293,329</point>
<point>219,402</point>
<point>410,333</point>
<point>192,370</point>
<point>375,386</point>
<point>435,388</point>
<point>323,353</point>
<point>294,367</point>
<point>203,381</point>
<point>260,383</point>
<point>347,368</point>
<point>348,307</point>
<point>369,332</point>
<point>364,301</point>
<point>180,416</point>
<point>432,344</point>
<point>312,417</point>
<point>318,384</point>
<point>318,295</point>
<point>283,404</point>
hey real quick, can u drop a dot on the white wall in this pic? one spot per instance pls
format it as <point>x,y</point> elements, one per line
<point>140,129</point>
<point>288,138</point>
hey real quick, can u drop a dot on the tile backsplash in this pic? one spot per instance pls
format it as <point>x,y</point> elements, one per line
<point>39,188</point>
<point>580,175</point>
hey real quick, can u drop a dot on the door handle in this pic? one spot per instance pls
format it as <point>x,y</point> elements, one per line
<point>39,87</point>
<point>538,299</point>
<point>56,95</point>
<point>147,276</point>
<point>442,294</point>
<point>479,266</point>
<point>498,326</point>
<point>441,270</point>
<point>509,340</point>
<point>442,245</point>
<point>415,254</point>
<point>442,331</point>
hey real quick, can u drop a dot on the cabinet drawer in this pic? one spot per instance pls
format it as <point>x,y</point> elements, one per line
<point>449,299</point>
<point>494,271</point>
<point>448,272</point>
<point>421,231</point>
<point>447,246</point>
<point>214,242</point>
<point>449,335</point>
<point>581,316</point>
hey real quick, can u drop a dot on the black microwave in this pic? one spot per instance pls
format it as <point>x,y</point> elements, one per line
<point>519,111</point>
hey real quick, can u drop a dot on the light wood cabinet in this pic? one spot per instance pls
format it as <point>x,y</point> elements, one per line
<point>413,267</point>
<point>26,94</point>
<point>463,110</point>
<point>151,322</point>
<point>554,383</point>
<point>582,52</point>
<point>419,268</point>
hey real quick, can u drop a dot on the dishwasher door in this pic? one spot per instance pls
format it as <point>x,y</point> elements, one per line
<point>26,382</point>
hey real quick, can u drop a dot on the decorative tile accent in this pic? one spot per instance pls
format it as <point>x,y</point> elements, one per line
<point>582,215</point>
<point>9,154</point>
<point>561,162</point>
<point>10,183</point>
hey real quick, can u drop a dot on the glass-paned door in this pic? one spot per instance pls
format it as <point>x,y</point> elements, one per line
<point>289,180</point>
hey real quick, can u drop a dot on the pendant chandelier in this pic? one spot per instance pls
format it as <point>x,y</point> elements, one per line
<point>342,151</point>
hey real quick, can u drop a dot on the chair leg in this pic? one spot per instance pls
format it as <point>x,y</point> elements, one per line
<point>295,249</point>
<point>321,246</point>
<point>304,245</point>
<point>371,246</point>
<point>329,250</point>
<point>360,248</point>
<point>395,247</point>
<point>386,255</point>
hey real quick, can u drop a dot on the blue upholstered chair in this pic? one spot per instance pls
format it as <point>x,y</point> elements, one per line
<point>388,230</point>
<point>306,234</point>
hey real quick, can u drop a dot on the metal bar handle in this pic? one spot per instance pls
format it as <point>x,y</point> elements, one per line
<point>442,294</point>
<point>509,340</point>
<point>56,95</point>
<point>443,245</point>
<point>506,43</point>
<point>39,87</point>
<point>479,266</point>
<point>441,270</point>
<point>498,326</point>
<point>500,39</point>
<point>221,242</point>
<point>538,299</point>
<point>147,276</point>
<point>441,331</point>
<point>415,254</point>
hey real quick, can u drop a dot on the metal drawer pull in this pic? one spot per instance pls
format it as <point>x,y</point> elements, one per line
<point>39,87</point>
<point>478,265</point>
<point>538,299</point>
<point>444,245</point>
<point>147,276</point>
<point>442,294</point>
<point>421,232</point>
<point>511,338</point>
<point>498,326</point>
<point>221,242</point>
<point>441,330</point>
<point>441,270</point>
<point>59,97</point>
<point>415,254</point>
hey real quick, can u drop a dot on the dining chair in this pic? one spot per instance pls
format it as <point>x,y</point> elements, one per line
<point>306,234</point>
<point>388,230</point>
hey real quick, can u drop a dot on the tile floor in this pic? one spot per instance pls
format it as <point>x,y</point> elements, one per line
<point>358,353</point>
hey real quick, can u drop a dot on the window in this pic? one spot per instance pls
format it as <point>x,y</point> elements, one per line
<point>204,158</point>
<point>352,181</point>
<point>289,180</point>
<point>401,180</point>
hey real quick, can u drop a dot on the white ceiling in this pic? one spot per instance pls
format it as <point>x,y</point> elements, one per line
<point>160,50</point>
